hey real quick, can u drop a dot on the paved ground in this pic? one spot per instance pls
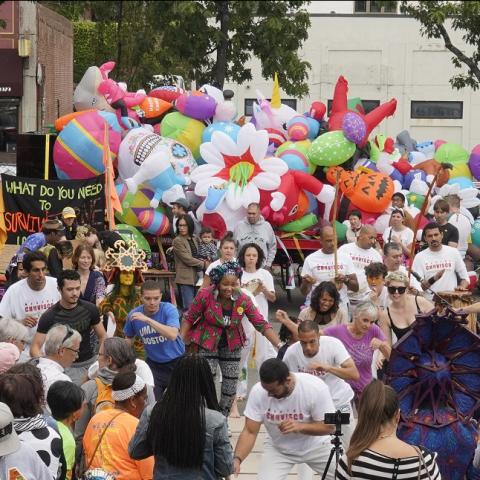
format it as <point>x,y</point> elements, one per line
<point>250,465</point>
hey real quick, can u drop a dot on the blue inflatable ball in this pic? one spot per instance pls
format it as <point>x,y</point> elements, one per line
<point>229,128</point>
<point>476,232</point>
<point>410,176</point>
<point>313,127</point>
<point>464,182</point>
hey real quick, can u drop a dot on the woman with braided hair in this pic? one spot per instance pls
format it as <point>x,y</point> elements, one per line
<point>213,325</point>
<point>185,430</point>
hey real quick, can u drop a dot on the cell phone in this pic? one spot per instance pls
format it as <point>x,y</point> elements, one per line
<point>337,418</point>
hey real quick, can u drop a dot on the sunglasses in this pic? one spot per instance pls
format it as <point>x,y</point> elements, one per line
<point>400,290</point>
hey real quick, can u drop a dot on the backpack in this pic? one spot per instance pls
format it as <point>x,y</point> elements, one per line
<point>104,399</point>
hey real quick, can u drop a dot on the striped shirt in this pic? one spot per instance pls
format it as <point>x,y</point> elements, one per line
<point>370,465</point>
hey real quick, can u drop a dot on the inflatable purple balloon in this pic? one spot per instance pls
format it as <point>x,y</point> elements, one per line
<point>196,105</point>
<point>474,162</point>
<point>354,127</point>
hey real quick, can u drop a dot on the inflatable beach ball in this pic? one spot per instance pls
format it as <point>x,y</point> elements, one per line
<point>78,150</point>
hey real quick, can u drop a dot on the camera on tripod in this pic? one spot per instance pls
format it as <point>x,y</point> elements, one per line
<point>337,418</point>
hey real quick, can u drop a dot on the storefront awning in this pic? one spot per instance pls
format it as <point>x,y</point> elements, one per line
<point>11,73</point>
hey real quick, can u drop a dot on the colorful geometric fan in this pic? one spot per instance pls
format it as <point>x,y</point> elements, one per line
<point>435,370</point>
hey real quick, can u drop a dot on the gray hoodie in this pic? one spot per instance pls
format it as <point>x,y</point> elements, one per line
<point>260,233</point>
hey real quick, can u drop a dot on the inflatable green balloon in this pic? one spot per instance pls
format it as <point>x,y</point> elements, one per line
<point>341,229</point>
<point>451,153</point>
<point>185,130</point>
<point>127,232</point>
<point>331,149</point>
<point>353,103</point>
<point>415,199</point>
<point>476,232</point>
<point>300,225</point>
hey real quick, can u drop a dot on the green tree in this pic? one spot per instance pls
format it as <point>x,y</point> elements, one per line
<point>205,41</point>
<point>437,18</point>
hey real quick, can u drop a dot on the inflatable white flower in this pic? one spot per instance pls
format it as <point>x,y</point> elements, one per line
<point>240,169</point>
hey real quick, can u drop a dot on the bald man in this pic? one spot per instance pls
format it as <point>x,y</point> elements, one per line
<point>320,267</point>
<point>361,253</point>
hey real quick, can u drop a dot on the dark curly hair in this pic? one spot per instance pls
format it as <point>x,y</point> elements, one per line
<point>318,291</point>
<point>227,268</point>
<point>261,255</point>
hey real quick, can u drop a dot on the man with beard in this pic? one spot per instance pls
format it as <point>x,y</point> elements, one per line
<point>78,314</point>
<point>292,406</point>
<point>320,267</point>
<point>440,265</point>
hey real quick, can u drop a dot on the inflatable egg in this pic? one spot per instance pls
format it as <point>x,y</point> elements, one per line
<point>78,150</point>
<point>331,149</point>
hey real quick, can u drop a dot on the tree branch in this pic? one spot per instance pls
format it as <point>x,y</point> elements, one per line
<point>458,53</point>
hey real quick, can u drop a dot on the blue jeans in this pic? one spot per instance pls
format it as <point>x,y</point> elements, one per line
<point>187,293</point>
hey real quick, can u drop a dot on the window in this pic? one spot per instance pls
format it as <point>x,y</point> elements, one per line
<point>8,124</point>
<point>375,7</point>
<point>368,105</point>
<point>291,102</point>
<point>451,110</point>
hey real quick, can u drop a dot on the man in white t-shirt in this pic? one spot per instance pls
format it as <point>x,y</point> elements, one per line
<point>326,358</point>
<point>461,222</point>
<point>362,253</point>
<point>320,267</point>
<point>292,406</point>
<point>440,265</point>
<point>26,300</point>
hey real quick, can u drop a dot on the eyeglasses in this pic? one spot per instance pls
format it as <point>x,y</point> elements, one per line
<point>72,350</point>
<point>400,290</point>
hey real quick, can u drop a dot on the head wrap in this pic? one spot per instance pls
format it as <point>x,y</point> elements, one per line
<point>121,395</point>
<point>227,268</point>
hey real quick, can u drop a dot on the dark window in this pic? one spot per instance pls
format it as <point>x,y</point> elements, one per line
<point>8,124</point>
<point>452,110</point>
<point>368,105</point>
<point>291,102</point>
<point>375,7</point>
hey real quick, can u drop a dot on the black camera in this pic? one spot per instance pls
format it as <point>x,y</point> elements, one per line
<point>337,418</point>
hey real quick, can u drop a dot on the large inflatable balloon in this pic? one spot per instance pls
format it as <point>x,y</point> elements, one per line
<point>185,130</point>
<point>137,211</point>
<point>238,169</point>
<point>168,93</point>
<point>127,232</point>
<point>229,128</point>
<point>146,143</point>
<point>78,150</point>
<point>371,120</point>
<point>474,162</point>
<point>331,149</point>
<point>144,154</point>
<point>476,232</point>
<point>196,105</point>
<point>295,155</point>
<point>451,153</point>
<point>272,114</point>
<point>371,191</point>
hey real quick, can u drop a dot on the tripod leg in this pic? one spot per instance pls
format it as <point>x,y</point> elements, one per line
<point>329,461</point>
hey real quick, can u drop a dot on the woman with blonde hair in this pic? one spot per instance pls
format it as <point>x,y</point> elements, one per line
<point>375,451</point>
<point>402,307</point>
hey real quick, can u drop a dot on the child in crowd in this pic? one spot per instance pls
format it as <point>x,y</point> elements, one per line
<point>66,402</point>
<point>207,249</point>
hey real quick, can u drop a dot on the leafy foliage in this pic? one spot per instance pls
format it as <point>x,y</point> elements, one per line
<point>205,41</point>
<point>436,17</point>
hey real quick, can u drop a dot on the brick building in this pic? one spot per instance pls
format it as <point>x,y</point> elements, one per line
<point>36,71</point>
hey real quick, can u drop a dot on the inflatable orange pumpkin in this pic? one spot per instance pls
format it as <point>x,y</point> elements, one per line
<point>369,191</point>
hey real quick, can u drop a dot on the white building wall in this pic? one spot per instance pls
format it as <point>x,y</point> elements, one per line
<point>382,57</point>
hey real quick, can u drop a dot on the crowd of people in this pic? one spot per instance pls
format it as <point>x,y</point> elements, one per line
<point>100,376</point>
